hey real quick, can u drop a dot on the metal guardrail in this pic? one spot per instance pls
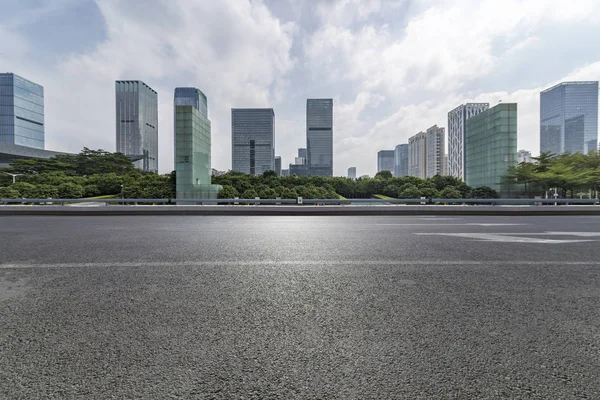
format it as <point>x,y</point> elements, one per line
<point>561,201</point>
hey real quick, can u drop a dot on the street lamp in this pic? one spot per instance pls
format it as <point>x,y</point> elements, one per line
<point>13,175</point>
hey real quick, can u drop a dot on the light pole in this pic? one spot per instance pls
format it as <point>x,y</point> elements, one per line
<point>14,176</point>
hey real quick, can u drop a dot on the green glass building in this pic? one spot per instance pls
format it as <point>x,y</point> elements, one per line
<point>192,152</point>
<point>491,146</point>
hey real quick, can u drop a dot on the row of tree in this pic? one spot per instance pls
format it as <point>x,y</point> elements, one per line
<point>568,175</point>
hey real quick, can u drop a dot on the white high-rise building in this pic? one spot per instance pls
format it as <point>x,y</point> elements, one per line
<point>417,155</point>
<point>457,123</point>
<point>436,151</point>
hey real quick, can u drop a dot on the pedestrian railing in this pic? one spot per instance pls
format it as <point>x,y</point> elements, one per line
<point>300,201</point>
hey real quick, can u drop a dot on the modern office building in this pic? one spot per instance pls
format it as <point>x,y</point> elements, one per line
<point>278,165</point>
<point>385,161</point>
<point>352,172</point>
<point>299,160</point>
<point>299,169</point>
<point>457,122</point>
<point>417,155</point>
<point>302,152</point>
<point>252,140</point>
<point>436,151</point>
<point>401,160</point>
<point>21,112</point>
<point>491,146</point>
<point>523,156</point>
<point>193,152</point>
<point>191,96</point>
<point>285,172</point>
<point>569,118</point>
<point>137,123</point>
<point>319,136</point>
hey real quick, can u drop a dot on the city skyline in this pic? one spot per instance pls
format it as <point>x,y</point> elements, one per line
<point>307,51</point>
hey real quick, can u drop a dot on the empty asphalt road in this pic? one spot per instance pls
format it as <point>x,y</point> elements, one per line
<point>299,307</point>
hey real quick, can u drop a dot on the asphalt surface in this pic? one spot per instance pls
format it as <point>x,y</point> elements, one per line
<point>299,307</point>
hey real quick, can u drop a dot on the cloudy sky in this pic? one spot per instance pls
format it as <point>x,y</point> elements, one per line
<point>393,67</point>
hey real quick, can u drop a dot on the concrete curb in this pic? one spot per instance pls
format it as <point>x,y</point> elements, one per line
<point>298,210</point>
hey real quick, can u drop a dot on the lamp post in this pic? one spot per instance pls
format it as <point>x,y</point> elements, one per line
<point>14,176</point>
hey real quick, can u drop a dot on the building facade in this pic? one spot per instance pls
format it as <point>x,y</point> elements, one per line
<point>457,120</point>
<point>278,165</point>
<point>319,136</point>
<point>302,152</point>
<point>569,118</point>
<point>524,156</point>
<point>491,146</point>
<point>436,151</point>
<point>352,172</point>
<point>193,152</point>
<point>385,161</point>
<point>21,112</point>
<point>401,160</point>
<point>137,123</point>
<point>417,155</point>
<point>253,140</point>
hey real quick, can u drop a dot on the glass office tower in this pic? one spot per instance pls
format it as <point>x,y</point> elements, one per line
<point>352,172</point>
<point>278,165</point>
<point>319,136</point>
<point>137,123</point>
<point>491,146</point>
<point>569,118</point>
<point>21,111</point>
<point>252,140</point>
<point>385,161</point>
<point>401,160</point>
<point>457,123</point>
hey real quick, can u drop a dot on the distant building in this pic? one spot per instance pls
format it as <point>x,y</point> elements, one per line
<point>21,112</point>
<point>302,152</point>
<point>216,172</point>
<point>435,153</point>
<point>137,123</point>
<point>523,156</point>
<point>417,155</point>
<point>385,161</point>
<point>193,153</point>
<point>299,169</point>
<point>352,172</point>
<point>364,177</point>
<point>457,123</point>
<point>319,136</point>
<point>253,140</point>
<point>285,172</point>
<point>491,145</point>
<point>278,165</point>
<point>569,118</point>
<point>299,160</point>
<point>401,160</point>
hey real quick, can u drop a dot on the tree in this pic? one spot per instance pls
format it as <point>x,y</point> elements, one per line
<point>267,193</point>
<point>484,192</point>
<point>409,191</point>
<point>9,193</point>
<point>269,173</point>
<point>228,192</point>
<point>450,192</point>
<point>70,190</point>
<point>249,194</point>
<point>385,175</point>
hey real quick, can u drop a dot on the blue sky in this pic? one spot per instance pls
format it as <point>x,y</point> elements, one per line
<point>393,67</point>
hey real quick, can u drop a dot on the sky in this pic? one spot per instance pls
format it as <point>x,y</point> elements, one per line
<point>393,67</point>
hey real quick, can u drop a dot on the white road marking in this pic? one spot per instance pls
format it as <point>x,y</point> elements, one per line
<point>288,262</point>
<point>507,238</point>
<point>469,224</point>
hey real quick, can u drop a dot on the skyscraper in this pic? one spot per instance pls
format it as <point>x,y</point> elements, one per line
<point>253,140</point>
<point>319,136</point>
<point>137,123</point>
<point>569,118</point>
<point>302,153</point>
<point>401,160</point>
<point>417,155</point>
<point>523,156</point>
<point>436,153</point>
<point>21,111</point>
<point>190,96</point>
<point>193,150</point>
<point>352,172</point>
<point>491,145</point>
<point>278,165</point>
<point>457,122</point>
<point>385,161</point>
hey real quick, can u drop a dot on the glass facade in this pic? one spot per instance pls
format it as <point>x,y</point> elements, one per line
<point>385,161</point>
<point>401,160</point>
<point>253,140</point>
<point>189,96</point>
<point>417,155</point>
<point>192,154</point>
<point>457,120</point>
<point>436,149</point>
<point>302,152</point>
<point>319,136</point>
<point>569,118</point>
<point>137,123</point>
<point>491,146</point>
<point>278,165</point>
<point>21,111</point>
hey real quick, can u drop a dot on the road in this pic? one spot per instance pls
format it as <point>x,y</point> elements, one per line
<point>299,307</point>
